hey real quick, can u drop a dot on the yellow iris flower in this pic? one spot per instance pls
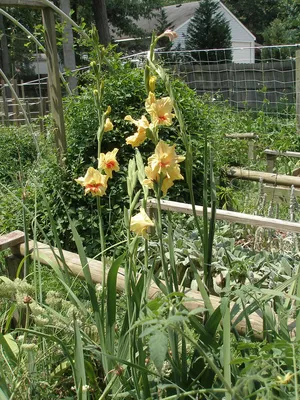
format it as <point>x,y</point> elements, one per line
<point>140,135</point>
<point>159,110</point>
<point>108,126</point>
<point>93,182</point>
<point>163,165</point>
<point>108,163</point>
<point>140,223</point>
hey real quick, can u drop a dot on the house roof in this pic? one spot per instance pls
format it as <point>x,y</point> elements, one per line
<point>178,15</point>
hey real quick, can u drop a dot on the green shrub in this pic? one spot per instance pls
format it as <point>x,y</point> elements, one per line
<point>17,152</point>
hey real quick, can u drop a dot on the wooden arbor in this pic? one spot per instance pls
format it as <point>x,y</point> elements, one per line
<point>53,70</point>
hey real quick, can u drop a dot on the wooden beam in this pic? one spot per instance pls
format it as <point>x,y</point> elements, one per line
<point>295,154</point>
<point>22,3</point>
<point>11,239</point>
<point>230,216</point>
<point>267,177</point>
<point>44,254</point>
<point>298,90</point>
<point>248,135</point>
<point>279,194</point>
<point>54,82</point>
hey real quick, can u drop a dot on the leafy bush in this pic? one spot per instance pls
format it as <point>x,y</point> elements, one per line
<point>17,152</point>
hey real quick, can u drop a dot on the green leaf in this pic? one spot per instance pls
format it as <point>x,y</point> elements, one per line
<point>158,346</point>
<point>79,363</point>
<point>112,300</point>
<point>7,343</point>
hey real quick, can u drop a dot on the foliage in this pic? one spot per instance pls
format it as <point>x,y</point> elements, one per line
<point>208,29</point>
<point>162,25</point>
<point>20,63</point>
<point>67,339</point>
<point>121,15</point>
<point>255,15</point>
<point>17,153</point>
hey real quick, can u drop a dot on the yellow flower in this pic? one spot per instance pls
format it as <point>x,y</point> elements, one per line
<point>140,135</point>
<point>160,110</point>
<point>170,34</point>
<point>163,165</point>
<point>93,182</point>
<point>286,379</point>
<point>140,222</point>
<point>152,177</point>
<point>152,82</point>
<point>108,162</point>
<point>165,161</point>
<point>108,126</point>
<point>108,111</point>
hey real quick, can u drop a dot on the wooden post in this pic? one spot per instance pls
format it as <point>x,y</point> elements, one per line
<point>15,104</point>
<point>27,108</point>
<point>5,106</point>
<point>271,160</point>
<point>42,110</point>
<point>22,89</point>
<point>298,90</point>
<point>54,82</point>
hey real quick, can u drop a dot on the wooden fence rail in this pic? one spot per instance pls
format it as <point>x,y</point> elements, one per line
<point>36,108</point>
<point>50,256</point>
<point>230,216</point>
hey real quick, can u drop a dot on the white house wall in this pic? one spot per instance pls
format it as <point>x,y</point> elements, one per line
<point>243,52</point>
<point>240,37</point>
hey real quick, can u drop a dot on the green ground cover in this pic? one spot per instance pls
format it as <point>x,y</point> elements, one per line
<point>77,340</point>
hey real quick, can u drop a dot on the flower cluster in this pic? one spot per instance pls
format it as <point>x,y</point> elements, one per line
<point>163,168</point>
<point>160,111</point>
<point>94,181</point>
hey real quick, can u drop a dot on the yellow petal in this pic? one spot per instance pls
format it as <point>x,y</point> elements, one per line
<point>93,182</point>
<point>108,162</point>
<point>140,223</point>
<point>108,126</point>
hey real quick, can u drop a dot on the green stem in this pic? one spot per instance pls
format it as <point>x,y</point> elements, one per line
<point>226,341</point>
<point>102,248</point>
<point>298,309</point>
<point>160,238</point>
<point>295,372</point>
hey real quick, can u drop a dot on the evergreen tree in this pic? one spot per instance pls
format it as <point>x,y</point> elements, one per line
<point>209,29</point>
<point>163,24</point>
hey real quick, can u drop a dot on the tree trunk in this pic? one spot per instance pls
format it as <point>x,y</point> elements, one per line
<point>4,55</point>
<point>68,46</point>
<point>100,14</point>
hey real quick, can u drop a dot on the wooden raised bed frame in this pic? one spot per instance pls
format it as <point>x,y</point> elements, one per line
<point>50,256</point>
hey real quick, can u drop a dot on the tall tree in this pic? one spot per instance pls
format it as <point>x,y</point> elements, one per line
<point>4,54</point>
<point>120,15</point>
<point>101,20</point>
<point>256,15</point>
<point>163,24</point>
<point>209,29</point>
<point>68,45</point>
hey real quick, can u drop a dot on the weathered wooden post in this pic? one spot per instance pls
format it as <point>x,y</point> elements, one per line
<point>298,90</point>
<point>54,81</point>
<point>53,70</point>
<point>15,104</point>
<point>12,261</point>
<point>5,106</point>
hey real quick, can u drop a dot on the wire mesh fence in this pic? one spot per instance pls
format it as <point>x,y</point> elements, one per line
<point>268,83</point>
